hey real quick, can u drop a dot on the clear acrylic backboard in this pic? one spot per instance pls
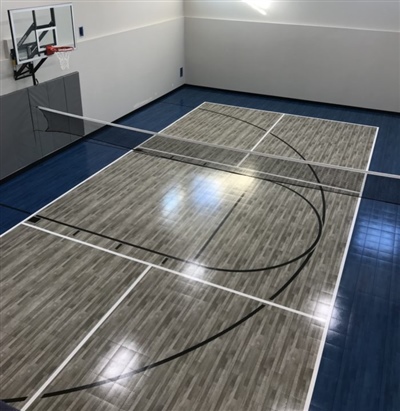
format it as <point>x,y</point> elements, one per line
<point>32,29</point>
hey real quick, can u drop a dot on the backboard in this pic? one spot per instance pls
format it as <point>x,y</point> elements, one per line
<point>32,29</point>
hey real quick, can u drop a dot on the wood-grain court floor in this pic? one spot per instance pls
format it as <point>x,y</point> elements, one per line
<point>224,282</point>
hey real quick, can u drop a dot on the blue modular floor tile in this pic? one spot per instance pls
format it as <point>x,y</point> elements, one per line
<point>6,407</point>
<point>365,372</point>
<point>117,137</point>
<point>154,117</point>
<point>10,217</point>
<point>360,366</point>
<point>369,371</point>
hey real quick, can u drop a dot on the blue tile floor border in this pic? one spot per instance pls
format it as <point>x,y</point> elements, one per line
<point>6,407</point>
<point>154,117</point>
<point>360,366</point>
<point>10,217</point>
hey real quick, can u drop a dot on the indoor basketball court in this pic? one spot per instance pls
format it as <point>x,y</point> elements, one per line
<point>203,250</point>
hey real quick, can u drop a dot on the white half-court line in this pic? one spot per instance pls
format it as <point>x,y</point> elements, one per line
<point>168,270</point>
<point>261,139</point>
<point>335,292</point>
<point>67,192</point>
<point>83,342</point>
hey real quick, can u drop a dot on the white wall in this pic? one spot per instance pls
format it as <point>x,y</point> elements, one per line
<point>131,53</point>
<point>342,52</point>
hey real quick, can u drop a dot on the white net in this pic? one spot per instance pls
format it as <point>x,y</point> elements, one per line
<point>63,58</point>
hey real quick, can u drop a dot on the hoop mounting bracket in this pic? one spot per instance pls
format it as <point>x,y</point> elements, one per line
<point>27,70</point>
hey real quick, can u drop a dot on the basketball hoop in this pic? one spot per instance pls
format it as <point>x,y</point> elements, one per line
<point>62,52</point>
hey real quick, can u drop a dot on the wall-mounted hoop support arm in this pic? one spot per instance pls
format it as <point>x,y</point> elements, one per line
<point>27,69</point>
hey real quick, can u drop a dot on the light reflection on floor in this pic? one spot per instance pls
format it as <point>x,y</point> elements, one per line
<point>206,192</point>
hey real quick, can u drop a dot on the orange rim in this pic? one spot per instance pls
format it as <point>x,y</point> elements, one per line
<point>56,49</point>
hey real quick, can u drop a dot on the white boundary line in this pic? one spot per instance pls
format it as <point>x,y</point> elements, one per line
<point>199,280</point>
<point>83,342</point>
<point>64,194</point>
<point>333,300</point>
<point>261,139</point>
<point>289,114</point>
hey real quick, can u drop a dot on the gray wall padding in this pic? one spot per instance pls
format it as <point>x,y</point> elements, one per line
<point>74,105</point>
<point>18,146</point>
<point>23,136</point>
<point>49,94</point>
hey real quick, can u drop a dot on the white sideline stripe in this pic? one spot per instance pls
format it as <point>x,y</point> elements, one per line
<point>293,115</point>
<point>327,323</point>
<point>83,342</point>
<point>199,280</point>
<point>370,157</point>
<point>64,194</point>
<point>262,138</point>
<point>238,150</point>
